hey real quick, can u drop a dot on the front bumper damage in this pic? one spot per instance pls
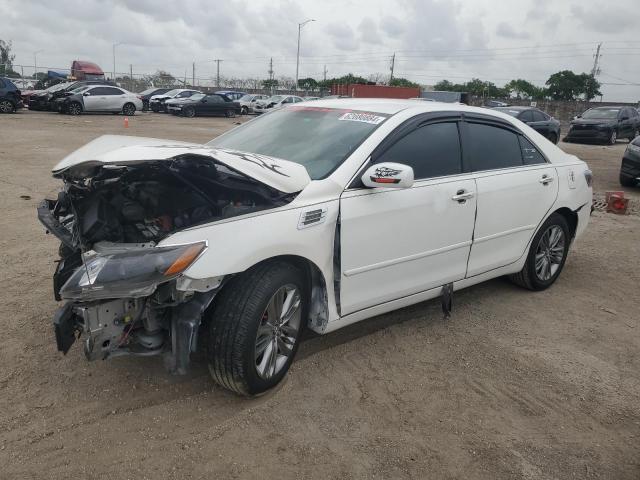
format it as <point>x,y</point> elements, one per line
<point>139,327</point>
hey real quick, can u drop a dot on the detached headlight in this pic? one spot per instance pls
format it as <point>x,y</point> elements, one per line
<point>134,272</point>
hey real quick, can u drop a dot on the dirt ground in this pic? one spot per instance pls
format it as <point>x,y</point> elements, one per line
<point>515,385</point>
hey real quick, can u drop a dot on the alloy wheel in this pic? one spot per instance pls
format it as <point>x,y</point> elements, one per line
<point>550,253</point>
<point>277,332</point>
<point>75,109</point>
<point>189,112</point>
<point>6,106</point>
<point>614,138</point>
<point>129,109</point>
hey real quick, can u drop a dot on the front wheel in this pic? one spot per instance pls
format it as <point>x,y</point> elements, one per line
<point>547,255</point>
<point>255,327</point>
<point>613,138</point>
<point>6,106</point>
<point>244,111</point>
<point>129,109</point>
<point>230,113</point>
<point>189,112</point>
<point>74,108</point>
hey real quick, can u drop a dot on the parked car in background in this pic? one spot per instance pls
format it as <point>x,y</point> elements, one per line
<point>630,167</point>
<point>605,125</point>
<point>156,102</point>
<point>275,102</point>
<point>541,122</point>
<point>310,99</point>
<point>314,217</point>
<point>10,97</point>
<point>40,100</point>
<point>148,93</point>
<point>495,104</point>
<point>46,100</point>
<point>247,102</point>
<point>201,105</point>
<point>232,94</point>
<point>101,98</point>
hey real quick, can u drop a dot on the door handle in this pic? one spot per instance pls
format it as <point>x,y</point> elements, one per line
<point>462,196</point>
<point>546,179</point>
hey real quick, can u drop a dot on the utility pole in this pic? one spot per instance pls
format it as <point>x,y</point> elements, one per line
<point>300,25</point>
<point>595,70</point>
<point>271,75</point>
<point>324,76</point>
<point>35,64</point>
<point>193,73</point>
<point>393,64</point>
<point>131,87</point>
<point>114,60</point>
<point>217,60</point>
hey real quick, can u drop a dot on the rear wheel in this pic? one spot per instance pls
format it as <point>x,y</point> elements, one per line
<point>75,108</point>
<point>129,109</point>
<point>6,106</point>
<point>255,327</point>
<point>547,255</point>
<point>613,138</point>
<point>230,113</point>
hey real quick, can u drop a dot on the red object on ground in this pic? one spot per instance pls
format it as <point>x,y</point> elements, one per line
<point>616,203</point>
<point>357,90</point>
<point>126,122</point>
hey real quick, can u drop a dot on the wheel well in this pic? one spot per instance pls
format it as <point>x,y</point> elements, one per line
<point>571,217</point>
<point>316,285</point>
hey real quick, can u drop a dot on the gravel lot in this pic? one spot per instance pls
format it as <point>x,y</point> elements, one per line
<point>514,385</point>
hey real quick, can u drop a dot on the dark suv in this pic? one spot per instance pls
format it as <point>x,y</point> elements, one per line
<point>10,98</point>
<point>630,167</point>
<point>605,124</point>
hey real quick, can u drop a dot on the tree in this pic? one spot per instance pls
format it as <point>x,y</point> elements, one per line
<point>402,82</point>
<point>565,85</point>
<point>591,86</point>
<point>270,83</point>
<point>307,83</point>
<point>161,79</point>
<point>6,59</point>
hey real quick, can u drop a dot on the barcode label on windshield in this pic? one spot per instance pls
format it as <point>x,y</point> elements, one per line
<point>362,117</point>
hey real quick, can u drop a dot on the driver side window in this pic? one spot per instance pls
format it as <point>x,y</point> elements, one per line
<point>431,150</point>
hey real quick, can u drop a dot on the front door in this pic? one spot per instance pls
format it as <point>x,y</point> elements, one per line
<point>397,242</point>
<point>516,187</point>
<point>95,99</point>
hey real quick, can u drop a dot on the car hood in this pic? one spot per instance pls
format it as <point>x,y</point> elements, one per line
<point>285,176</point>
<point>588,121</point>
<point>173,101</point>
<point>158,97</point>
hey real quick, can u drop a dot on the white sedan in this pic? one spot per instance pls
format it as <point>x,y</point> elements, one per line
<point>101,98</point>
<point>314,216</point>
<point>275,102</point>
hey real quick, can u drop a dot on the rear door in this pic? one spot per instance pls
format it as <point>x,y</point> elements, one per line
<point>115,98</point>
<point>398,242</point>
<point>516,187</point>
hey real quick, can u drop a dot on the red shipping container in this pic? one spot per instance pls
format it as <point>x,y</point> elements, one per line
<point>375,91</point>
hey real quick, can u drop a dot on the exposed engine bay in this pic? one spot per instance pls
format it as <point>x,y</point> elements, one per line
<point>123,291</point>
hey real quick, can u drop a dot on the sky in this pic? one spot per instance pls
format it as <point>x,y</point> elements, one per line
<point>494,40</point>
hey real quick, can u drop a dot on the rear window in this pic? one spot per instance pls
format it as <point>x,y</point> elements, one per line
<point>319,139</point>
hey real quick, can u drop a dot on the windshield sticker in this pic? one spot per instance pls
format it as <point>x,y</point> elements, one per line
<point>362,117</point>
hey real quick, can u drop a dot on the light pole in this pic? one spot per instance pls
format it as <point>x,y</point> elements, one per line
<point>114,60</point>
<point>300,25</point>
<point>35,64</point>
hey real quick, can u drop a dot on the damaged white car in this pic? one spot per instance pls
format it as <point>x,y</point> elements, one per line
<point>316,215</point>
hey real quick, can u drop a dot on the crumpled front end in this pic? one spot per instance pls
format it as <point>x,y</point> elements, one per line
<point>125,286</point>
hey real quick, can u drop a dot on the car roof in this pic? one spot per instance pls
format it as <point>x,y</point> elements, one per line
<point>515,107</point>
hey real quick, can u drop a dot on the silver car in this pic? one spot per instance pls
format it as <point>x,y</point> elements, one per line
<point>249,101</point>
<point>275,102</point>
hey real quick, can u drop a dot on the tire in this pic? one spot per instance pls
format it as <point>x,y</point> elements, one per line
<point>6,106</point>
<point>536,279</point>
<point>244,111</point>
<point>230,113</point>
<point>239,326</point>
<point>74,108</point>
<point>613,138</point>
<point>155,109</point>
<point>553,138</point>
<point>129,109</point>
<point>627,182</point>
<point>189,112</point>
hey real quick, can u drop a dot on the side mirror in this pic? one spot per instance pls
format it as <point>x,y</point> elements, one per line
<point>86,94</point>
<point>388,175</point>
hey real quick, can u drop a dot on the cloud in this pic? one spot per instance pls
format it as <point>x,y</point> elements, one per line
<point>615,20</point>
<point>507,31</point>
<point>342,35</point>
<point>369,33</point>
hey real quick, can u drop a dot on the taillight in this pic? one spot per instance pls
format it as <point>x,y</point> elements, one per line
<point>588,176</point>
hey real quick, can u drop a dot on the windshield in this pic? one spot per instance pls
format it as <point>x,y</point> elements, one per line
<point>275,99</point>
<point>171,93</point>
<point>79,89</point>
<point>59,86</point>
<point>246,98</point>
<point>196,96</point>
<point>319,139</point>
<point>601,113</point>
<point>148,91</point>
